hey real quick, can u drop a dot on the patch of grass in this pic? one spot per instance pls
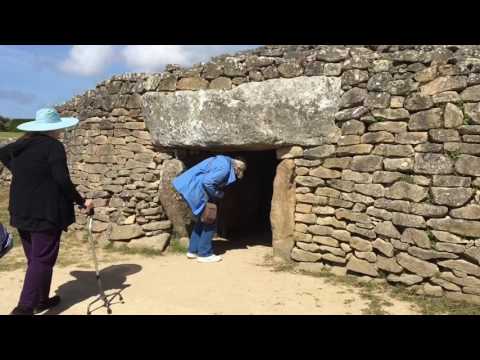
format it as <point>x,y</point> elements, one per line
<point>124,250</point>
<point>74,247</point>
<point>453,154</point>
<point>85,266</point>
<point>72,250</point>
<point>268,258</point>
<point>434,306</point>
<point>407,179</point>
<point>176,247</point>
<point>14,260</point>
<point>267,262</point>
<point>10,266</point>
<point>426,305</point>
<point>374,293</point>
<point>348,301</point>
<point>376,303</point>
<point>288,267</point>
<point>64,262</point>
<point>9,135</point>
<point>467,120</point>
<point>317,302</point>
<point>11,124</point>
<point>323,274</point>
<point>429,197</point>
<point>369,291</point>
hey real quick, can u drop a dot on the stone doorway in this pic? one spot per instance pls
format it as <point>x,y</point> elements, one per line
<point>252,117</point>
<point>246,210</point>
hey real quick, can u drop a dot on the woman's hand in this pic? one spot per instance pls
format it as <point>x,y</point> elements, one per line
<point>88,205</point>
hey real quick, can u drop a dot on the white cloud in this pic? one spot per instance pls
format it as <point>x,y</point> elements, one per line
<point>88,60</point>
<point>151,58</point>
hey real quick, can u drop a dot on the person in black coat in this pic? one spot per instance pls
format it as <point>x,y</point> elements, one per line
<point>42,198</point>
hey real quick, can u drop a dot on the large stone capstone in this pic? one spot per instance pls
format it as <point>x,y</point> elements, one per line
<point>255,115</point>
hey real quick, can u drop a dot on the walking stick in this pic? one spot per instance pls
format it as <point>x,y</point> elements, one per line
<point>107,300</point>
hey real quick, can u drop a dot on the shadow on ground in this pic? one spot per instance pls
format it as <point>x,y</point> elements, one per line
<point>85,286</point>
<point>235,242</point>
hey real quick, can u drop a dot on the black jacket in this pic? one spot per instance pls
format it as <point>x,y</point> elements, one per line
<point>42,195</point>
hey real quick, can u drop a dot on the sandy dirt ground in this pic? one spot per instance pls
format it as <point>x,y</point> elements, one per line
<point>244,283</point>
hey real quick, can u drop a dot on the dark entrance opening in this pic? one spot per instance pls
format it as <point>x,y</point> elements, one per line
<point>244,212</point>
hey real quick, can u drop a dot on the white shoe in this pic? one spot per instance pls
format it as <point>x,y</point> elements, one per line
<point>191,256</point>
<point>209,259</point>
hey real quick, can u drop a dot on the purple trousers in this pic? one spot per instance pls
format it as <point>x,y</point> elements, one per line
<point>41,250</point>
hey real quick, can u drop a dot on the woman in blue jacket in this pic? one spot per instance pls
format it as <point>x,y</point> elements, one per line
<point>199,185</point>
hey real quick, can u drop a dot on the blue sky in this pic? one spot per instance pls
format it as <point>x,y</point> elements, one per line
<point>36,76</point>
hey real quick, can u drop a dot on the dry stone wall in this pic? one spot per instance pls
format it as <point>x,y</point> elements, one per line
<point>396,195</point>
<point>113,162</point>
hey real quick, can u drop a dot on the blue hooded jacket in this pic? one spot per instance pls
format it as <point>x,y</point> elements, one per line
<point>205,181</point>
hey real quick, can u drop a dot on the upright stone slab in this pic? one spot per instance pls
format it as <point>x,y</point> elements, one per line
<point>282,215</point>
<point>175,207</point>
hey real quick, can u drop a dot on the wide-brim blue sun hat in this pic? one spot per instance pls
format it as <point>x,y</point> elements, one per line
<point>48,119</point>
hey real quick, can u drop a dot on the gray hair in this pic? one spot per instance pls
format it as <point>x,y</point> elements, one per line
<point>240,164</point>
